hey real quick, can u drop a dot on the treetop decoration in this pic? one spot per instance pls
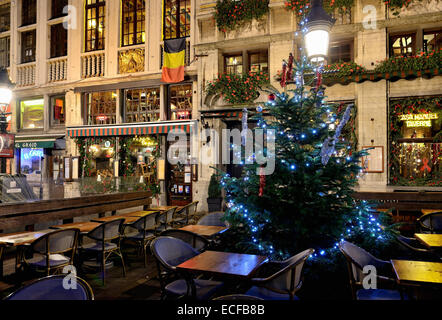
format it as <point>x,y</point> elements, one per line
<point>229,14</point>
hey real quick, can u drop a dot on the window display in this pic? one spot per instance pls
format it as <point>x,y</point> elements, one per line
<point>32,113</point>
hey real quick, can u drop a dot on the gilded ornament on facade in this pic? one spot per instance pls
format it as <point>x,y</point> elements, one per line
<point>131,61</point>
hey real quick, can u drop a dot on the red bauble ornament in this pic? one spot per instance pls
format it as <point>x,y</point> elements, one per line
<point>272,97</point>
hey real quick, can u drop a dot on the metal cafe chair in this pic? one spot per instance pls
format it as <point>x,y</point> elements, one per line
<point>180,217</point>
<point>280,280</point>
<point>416,249</point>
<point>165,219</point>
<point>49,251</point>
<point>213,219</point>
<point>191,214</point>
<point>357,258</point>
<point>195,240</point>
<point>169,253</point>
<point>52,288</point>
<point>141,232</point>
<point>430,223</point>
<point>103,245</point>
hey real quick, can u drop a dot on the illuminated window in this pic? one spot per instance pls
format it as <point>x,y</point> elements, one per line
<point>181,102</point>
<point>101,107</point>
<point>95,24</point>
<point>28,12</point>
<point>5,17</point>
<point>59,41</point>
<point>31,162</point>
<point>233,64</point>
<point>58,110</point>
<point>402,45</point>
<point>340,52</point>
<point>143,105</point>
<point>28,44</point>
<point>133,22</point>
<point>432,40</point>
<point>4,52</point>
<point>176,19</point>
<point>57,7</point>
<point>259,61</point>
<point>32,114</point>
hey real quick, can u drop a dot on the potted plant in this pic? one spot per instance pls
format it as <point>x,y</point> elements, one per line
<point>214,198</point>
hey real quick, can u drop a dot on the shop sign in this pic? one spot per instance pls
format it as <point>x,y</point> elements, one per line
<point>418,120</point>
<point>35,144</point>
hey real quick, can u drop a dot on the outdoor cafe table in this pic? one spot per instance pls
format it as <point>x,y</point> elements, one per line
<point>223,264</point>
<point>138,214</point>
<point>112,218</point>
<point>162,208</point>
<point>417,272</point>
<point>430,240</point>
<point>18,239</point>
<point>427,211</point>
<point>205,231</point>
<point>84,227</point>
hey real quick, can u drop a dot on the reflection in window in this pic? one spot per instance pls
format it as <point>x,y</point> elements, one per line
<point>133,22</point>
<point>28,46</point>
<point>432,40</point>
<point>176,20</point>
<point>101,107</point>
<point>259,62</point>
<point>233,64</point>
<point>5,17</point>
<point>4,52</point>
<point>58,110</point>
<point>28,12</point>
<point>95,24</point>
<point>181,102</point>
<point>340,52</point>
<point>32,114</point>
<point>59,41</point>
<point>402,45</point>
<point>143,105</point>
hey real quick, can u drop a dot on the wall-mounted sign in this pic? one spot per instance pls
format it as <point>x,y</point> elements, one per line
<point>414,120</point>
<point>7,145</point>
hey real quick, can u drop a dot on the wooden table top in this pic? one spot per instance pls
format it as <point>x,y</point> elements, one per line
<point>82,226</point>
<point>21,238</point>
<point>430,240</point>
<point>224,264</point>
<point>205,231</point>
<point>162,208</point>
<point>418,271</point>
<point>138,213</point>
<point>427,211</point>
<point>112,218</point>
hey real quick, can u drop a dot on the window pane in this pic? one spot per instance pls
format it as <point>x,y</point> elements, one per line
<point>181,102</point>
<point>95,25</point>
<point>101,107</point>
<point>58,110</point>
<point>5,17</point>
<point>57,7</point>
<point>28,46</point>
<point>59,41</point>
<point>433,41</point>
<point>340,52</point>
<point>32,113</point>
<point>143,105</point>
<point>402,45</point>
<point>29,12</point>
<point>176,20</point>
<point>4,52</point>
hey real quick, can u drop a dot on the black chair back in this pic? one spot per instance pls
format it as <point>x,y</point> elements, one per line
<point>196,241</point>
<point>213,219</point>
<point>107,231</point>
<point>431,222</point>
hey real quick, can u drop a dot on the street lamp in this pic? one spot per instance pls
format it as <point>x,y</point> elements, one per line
<point>5,100</point>
<point>317,35</point>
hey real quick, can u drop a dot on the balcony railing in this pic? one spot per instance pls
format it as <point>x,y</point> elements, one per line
<point>92,64</point>
<point>57,69</point>
<point>26,75</point>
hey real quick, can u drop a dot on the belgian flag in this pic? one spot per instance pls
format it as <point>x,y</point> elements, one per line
<point>173,63</point>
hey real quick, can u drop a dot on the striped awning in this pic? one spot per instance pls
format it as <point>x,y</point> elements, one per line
<point>130,129</point>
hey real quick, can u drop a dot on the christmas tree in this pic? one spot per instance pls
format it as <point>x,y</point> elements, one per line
<point>307,202</point>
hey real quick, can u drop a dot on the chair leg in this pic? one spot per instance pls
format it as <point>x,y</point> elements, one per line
<point>103,268</point>
<point>122,262</point>
<point>144,254</point>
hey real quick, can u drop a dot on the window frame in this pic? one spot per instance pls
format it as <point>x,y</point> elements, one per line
<point>170,112</point>
<point>52,111</point>
<point>28,12</point>
<point>258,52</point>
<point>231,55</point>
<point>395,36</point>
<point>55,9</point>
<point>88,116</point>
<point>139,112</point>
<point>431,31</point>
<point>5,52</point>
<point>23,50</point>
<point>59,45</point>
<point>7,24</point>
<point>341,44</point>
<point>20,114</point>
<point>137,19</point>
<point>94,7</point>
<point>188,4</point>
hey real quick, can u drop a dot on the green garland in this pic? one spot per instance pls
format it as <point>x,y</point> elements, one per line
<point>411,106</point>
<point>419,62</point>
<point>230,14</point>
<point>299,6</point>
<point>234,88</point>
<point>126,166</point>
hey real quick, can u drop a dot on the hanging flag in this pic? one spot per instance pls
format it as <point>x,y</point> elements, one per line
<point>173,62</point>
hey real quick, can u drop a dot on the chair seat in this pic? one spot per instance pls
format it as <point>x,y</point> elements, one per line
<point>162,228</point>
<point>54,260</point>
<point>138,236</point>
<point>204,288</point>
<point>267,294</point>
<point>97,246</point>
<point>378,294</point>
